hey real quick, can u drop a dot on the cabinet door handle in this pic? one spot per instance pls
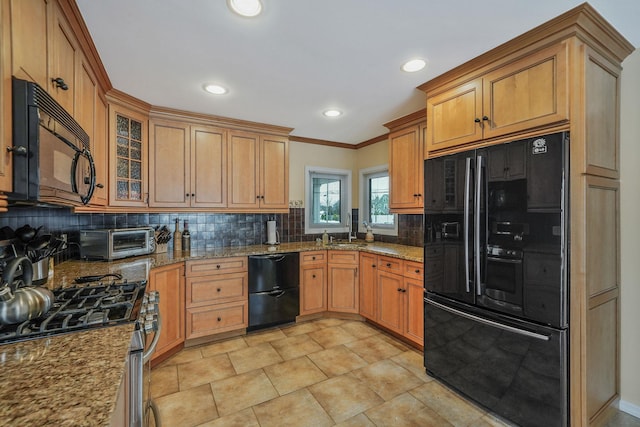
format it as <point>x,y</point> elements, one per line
<point>218,289</point>
<point>477,120</point>
<point>399,289</point>
<point>193,194</point>
<point>60,84</point>
<point>404,290</point>
<point>373,265</point>
<point>313,276</point>
<point>485,118</point>
<point>218,266</point>
<point>219,319</point>
<point>186,195</point>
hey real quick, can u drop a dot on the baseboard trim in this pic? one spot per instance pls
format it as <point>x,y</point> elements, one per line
<point>630,408</point>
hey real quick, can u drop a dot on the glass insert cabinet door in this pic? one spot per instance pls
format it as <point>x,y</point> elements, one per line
<point>129,155</point>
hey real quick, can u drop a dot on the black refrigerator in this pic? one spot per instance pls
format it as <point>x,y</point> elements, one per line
<point>496,255</point>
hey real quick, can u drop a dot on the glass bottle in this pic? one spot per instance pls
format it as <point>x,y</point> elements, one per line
<point>186,237</point>
<point>177,237</point>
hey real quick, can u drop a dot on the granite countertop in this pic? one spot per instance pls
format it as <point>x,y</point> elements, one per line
<point>64,380</point>
<point>73,379</point>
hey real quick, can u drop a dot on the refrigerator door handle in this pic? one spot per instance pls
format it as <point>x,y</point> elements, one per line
<point>467,178</point>
<point>487,321</point>
<point>476,214</point>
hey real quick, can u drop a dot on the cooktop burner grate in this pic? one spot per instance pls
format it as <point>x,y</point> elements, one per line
<point>81,308</point>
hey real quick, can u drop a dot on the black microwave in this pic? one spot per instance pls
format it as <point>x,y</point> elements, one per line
<point>52,163</point>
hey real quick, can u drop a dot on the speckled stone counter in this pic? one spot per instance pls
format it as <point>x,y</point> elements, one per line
<point>73,379</point>
<point>64,380</point>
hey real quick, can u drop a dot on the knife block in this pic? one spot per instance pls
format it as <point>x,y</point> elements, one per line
<point>161,248</point>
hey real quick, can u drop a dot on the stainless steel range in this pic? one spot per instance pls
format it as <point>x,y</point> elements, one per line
<point>103,305</point>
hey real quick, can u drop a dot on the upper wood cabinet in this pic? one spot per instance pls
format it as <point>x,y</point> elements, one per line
<point>128,155</point>
<point>29,37</point>
<point>406,164</point>
<point>258,172</point>
<point>518,96</point>
<point>63,60</point>
<point>187,165</point>
<point>6,162</point>
<point>100,151</point>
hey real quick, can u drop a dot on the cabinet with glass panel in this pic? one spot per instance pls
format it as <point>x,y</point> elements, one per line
<point>127,154</point>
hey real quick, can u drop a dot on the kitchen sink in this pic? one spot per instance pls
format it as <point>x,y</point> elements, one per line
<point>354,245</point>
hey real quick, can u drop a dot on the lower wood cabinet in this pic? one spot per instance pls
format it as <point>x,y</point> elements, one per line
<point>216,296</point>
<point>343,289</point>
<point>313,282</point>
<point>170,283</point>
<point>392,294</point>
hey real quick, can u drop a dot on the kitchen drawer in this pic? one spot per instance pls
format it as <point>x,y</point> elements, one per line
<point>314,257</point>
<point>216,266</point>
<point>216,289</point>
<point>413,270</point>
<point>214,319</point>
<point>542,268</point>
<point>343,257</point>
<point>391,265</point>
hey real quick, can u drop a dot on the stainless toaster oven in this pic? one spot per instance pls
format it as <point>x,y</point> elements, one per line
<point>116,243</point>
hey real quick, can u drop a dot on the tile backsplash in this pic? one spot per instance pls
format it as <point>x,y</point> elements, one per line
<point>208,230</point>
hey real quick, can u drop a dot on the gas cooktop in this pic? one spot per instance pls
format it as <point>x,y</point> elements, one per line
<point>81,308</point>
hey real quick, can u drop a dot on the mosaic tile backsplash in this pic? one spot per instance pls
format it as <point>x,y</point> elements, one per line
<point>208,230</point>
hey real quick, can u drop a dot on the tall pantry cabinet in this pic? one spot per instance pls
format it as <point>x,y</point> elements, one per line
<point>568,72</point>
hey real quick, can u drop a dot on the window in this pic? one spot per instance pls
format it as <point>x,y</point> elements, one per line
<point>328,200</point>
<point>374,202</point>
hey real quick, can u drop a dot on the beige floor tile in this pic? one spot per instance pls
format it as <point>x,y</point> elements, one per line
<point>164,381</point>
<point>300,328</point>
<point>328,322</point>
<point>491,421</point>
<point>204,371</point>
<point>294,374</point>
<point>294,409</point>
<point>360,420</point>
<point>245,418</point>
<point>187,408</point>
<point>227,346</point>
<point>296,346</point>
<point>331,336</point>
<point>337,361</point>
<point>184,356</point>
<point>387,378</point>
<point>413,361</point>
<point>405,410</point>
<point>251,358</point>
<point>359,329</point>
<point>257,338</point>
<point>344,397</point>
<point>449,405</point>
<point>373,348</point>
<point>242,391</point>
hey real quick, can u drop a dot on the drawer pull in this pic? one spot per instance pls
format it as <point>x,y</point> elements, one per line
<point>389,264</point>
<point>218,266</point>
<point>218,289</point>
<point>314,276</point>
<point>219,319</point>
<point>313,258</point>
<point>417,271</point>
<point>373,266</point>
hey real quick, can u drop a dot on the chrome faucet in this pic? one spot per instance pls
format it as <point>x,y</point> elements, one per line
<point>350,227</point>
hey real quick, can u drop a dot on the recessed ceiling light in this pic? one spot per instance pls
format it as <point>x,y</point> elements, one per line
<point>215,89</point>
<point>249,8</point>
<point>332,113</point>
<point>414,65</point>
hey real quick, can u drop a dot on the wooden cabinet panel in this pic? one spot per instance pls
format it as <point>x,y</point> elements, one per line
<point>216,266</point>
<point>342,257</point>
<point>215,319</point>
<point>243,170</point>
<point>169,155</point>
<point>207,290</point>
<point>208,167</point>
<point>414,270</point>
<point>527,93</point>
<point>29,24</point>
<point>451,116</point>
<point>63,56</point>
<point>169,281</point>
<point>414,310</point>
<point>368,285</point>
<point>274,173</point>
<point>6,159</point>
<point>313,257</point>
<point>313,288</point>
<point>100,152</point>
<point>343,288</point>
<point>390,265</point>
<point>406,169</point>
<point>391,301</point>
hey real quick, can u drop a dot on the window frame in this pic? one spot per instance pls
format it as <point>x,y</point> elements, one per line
<point>345,176</point>
<point>365,174</point>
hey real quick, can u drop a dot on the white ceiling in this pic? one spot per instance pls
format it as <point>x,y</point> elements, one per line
<point>301,57</point>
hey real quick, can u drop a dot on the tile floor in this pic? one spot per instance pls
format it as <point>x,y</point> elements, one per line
<point>319,373</point>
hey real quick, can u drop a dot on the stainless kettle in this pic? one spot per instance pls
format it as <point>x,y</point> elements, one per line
<point>18,305</point>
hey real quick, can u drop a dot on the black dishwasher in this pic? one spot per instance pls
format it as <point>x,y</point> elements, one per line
<point>274,292</point>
